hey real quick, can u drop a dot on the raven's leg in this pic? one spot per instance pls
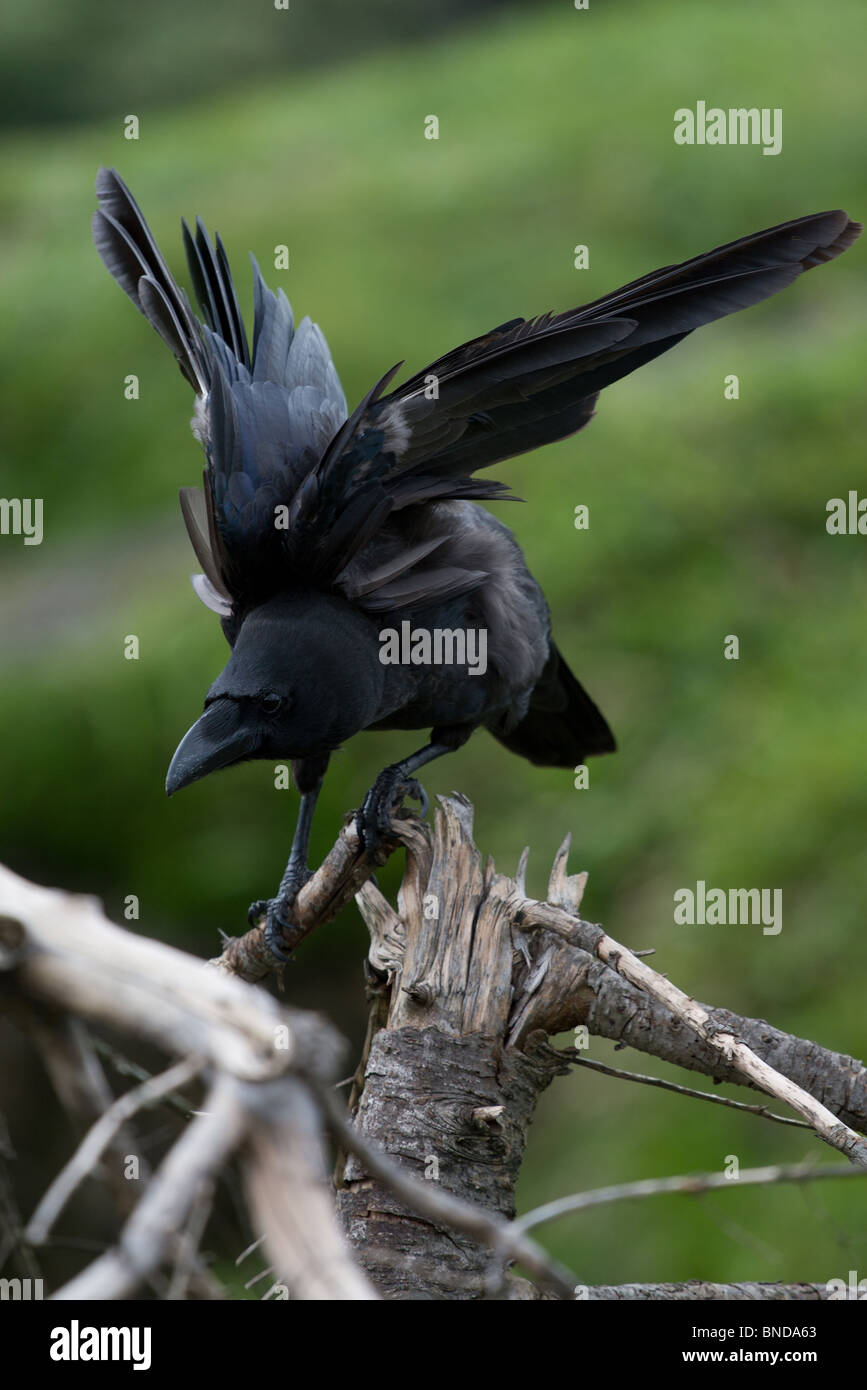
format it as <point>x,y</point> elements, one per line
<point>308,774</point>
<point>397,781</point>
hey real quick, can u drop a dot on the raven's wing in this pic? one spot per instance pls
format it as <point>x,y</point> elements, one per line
<point>263,415</point>
<point>531,383</point>
<point>274,426</point>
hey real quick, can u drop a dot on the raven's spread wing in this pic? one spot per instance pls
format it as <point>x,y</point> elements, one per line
<point>529,383</point>
<point>264,416</point>
<point>296,492</point>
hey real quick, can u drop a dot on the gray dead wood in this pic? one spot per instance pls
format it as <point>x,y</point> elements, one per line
<point>468,979</point>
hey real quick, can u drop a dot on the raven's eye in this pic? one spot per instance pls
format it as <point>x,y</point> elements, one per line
<point>271,702</point>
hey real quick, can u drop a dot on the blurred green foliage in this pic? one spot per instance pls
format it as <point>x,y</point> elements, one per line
<point>707,518</point>
<point>86,58</point>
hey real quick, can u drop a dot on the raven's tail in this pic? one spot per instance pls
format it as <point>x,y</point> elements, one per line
<point>562,727</point>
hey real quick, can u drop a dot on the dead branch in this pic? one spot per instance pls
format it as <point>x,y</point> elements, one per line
<point>202,1149</point>
<point>270,1067</point>
<point>346,868</point>
<point>580,989</point>
<point>468,979</point>
<point>717,1028</point>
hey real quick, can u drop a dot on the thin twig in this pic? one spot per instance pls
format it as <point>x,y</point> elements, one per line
<point>663,1085</point>
<point>254,1245</point>
<point>124,1066</point>
<point>691,1183</point>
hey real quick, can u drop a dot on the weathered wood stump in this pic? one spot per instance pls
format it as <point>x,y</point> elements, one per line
<point>449,1084</point>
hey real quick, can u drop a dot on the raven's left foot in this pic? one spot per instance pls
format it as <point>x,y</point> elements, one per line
<point>384,797</point>
<point>278,913</point>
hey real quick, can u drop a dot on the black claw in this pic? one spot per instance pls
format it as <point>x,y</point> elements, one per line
<point>418,793</point>
<point>257,910</point>
<point>274,939</point>
<point>373,821</point>
<point>278,912</point>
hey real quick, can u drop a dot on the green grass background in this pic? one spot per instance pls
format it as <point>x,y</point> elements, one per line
<point>707,518</point>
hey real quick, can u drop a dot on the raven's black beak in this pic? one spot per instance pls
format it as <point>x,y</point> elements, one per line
<point>216,740</point>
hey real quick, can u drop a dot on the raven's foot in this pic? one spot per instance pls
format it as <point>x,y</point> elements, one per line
<point>384,797</point>
<point>279,927</point>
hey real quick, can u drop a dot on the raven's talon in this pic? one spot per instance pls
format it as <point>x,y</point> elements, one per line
<point>417,792</point>
<point>257,910</point>
<point>373,821</point>
<point>275,927</point>
<point>277,911</point>
<point>276,922</point>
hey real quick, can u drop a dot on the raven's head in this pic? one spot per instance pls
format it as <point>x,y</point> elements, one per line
<point>303,676</point>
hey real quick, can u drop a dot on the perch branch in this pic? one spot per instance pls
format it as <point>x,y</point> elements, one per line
<point>342,874</point>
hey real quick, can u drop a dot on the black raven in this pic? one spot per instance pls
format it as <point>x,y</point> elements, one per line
<point>339,549</point>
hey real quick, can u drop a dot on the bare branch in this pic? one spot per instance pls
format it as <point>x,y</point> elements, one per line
<point>697,1291</point>
<point>719,1032</point>
<point>97,1140</point>
<point>342,874</point>
<point>75,959</point>
<point>186,1245</point>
